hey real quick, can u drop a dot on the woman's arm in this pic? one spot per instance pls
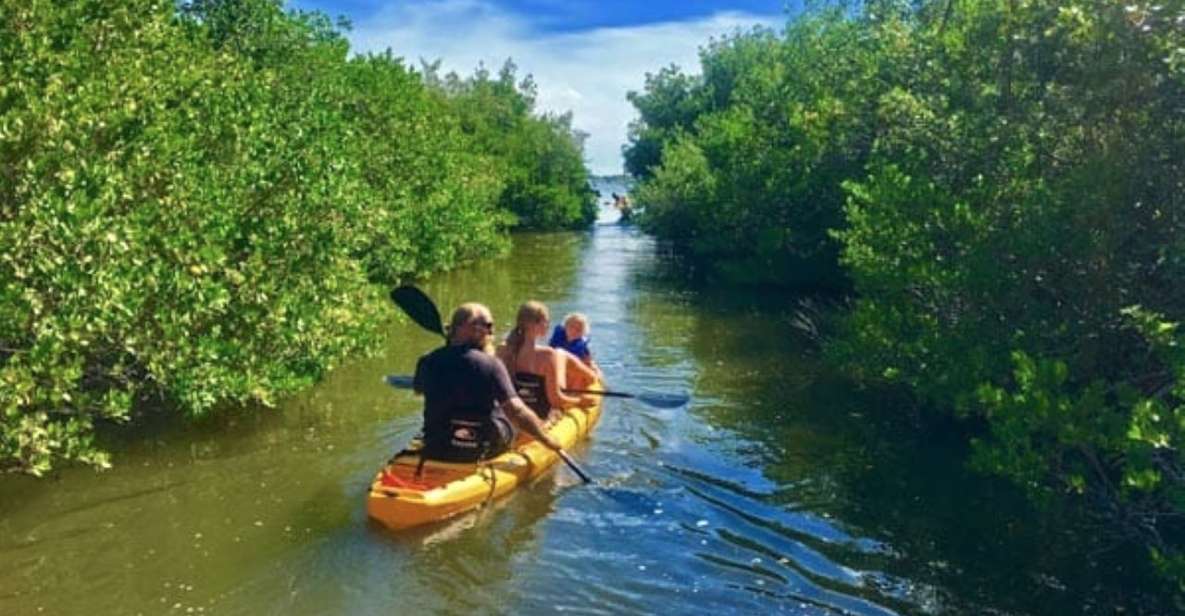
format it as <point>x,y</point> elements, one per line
<point>554,378</point>
<point>557,379</point>
<point>579,374</point>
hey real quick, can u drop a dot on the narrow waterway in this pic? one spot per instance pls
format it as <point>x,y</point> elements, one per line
<point>779,488</point>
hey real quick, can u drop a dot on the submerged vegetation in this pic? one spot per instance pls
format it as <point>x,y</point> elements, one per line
<point>1002,185</point>
<point>200,204</point>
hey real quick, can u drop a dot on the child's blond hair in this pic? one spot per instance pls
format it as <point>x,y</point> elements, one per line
<point>578,317</point>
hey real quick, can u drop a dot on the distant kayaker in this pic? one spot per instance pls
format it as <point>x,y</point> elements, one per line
<point>540,372</point>
<point>623,205</point>
<point>470,404</point>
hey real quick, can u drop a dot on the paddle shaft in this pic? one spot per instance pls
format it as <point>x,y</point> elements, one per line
<point>657,400</point>
<point>662,401</point>
<point>572,465</point>
<point>424,313</point>
<point>597,392</point>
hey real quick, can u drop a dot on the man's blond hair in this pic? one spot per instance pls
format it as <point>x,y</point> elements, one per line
<point>463,315</point>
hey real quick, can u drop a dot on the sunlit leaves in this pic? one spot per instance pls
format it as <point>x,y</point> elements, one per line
<point>539,157</point>
<point>780,122</point>
<point>201,209</point>
<point>1003,232</point>
<point>1003,180</point>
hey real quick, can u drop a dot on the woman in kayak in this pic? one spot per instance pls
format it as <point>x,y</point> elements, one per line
<point>469,400</point>
<point>539,372</point>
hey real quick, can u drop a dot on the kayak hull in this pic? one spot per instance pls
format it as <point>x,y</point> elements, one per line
<point>400,499</point>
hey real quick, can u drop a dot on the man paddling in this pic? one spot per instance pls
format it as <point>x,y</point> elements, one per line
<point>470,405</point>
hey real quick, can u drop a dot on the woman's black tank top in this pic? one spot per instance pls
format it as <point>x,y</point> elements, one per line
<point>530,388</point>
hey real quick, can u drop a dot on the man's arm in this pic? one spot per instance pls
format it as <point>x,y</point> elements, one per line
<point>525,418</point>
<point>515,408</point>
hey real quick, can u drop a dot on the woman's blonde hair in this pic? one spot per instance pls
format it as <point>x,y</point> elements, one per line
<point>528,314</point>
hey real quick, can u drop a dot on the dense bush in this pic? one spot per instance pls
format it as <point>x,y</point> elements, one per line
<point>1004,183</point>
<point>540,156</point>
<point>198,205</point>
<point>777,123</point>
<point>1016,243</point>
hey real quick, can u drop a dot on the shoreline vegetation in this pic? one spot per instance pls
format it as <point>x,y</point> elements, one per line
<point>203,204</point>
<point>997,186</point>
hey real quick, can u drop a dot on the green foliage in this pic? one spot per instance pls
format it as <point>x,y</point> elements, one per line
<point>1001,182</point>
<point>670,102</point>
<point>1023,195</point>
<point>201,207</point>
<point>683,183</point>
<point>781,121</point>
<point>540,156</point>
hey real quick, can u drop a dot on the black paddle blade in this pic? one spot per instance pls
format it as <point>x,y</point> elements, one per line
<point>419,307</point>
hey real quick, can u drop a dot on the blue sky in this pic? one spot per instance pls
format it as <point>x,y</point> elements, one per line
<point>584,56</point>
<point>561,16</point>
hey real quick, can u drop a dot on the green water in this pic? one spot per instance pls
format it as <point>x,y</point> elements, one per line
<point>779,488</point>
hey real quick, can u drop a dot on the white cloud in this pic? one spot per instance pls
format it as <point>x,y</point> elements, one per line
<point>587,72</point>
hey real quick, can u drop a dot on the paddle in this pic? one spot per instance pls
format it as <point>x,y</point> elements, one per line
<point>423,311</point>
<point>657,400</point>
<point>419,307</point>
<point>572,465</point>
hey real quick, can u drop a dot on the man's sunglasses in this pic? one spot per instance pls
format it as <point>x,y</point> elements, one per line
<point>488,325</point>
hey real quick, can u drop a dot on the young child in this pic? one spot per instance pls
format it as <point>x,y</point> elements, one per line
<point>572,336</point>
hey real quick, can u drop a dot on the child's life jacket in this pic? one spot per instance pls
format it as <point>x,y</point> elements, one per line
<point>577,347</point>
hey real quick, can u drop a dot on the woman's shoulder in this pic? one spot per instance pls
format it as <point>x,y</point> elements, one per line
<point>545,352</point>
<point>545,357</point>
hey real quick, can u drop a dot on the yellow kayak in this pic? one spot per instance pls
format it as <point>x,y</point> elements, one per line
<point>399,499</point>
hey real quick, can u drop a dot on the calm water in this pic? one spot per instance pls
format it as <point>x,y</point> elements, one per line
<point>779,488</point>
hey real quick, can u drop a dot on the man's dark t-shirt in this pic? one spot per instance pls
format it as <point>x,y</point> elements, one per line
<point>463,389</point>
